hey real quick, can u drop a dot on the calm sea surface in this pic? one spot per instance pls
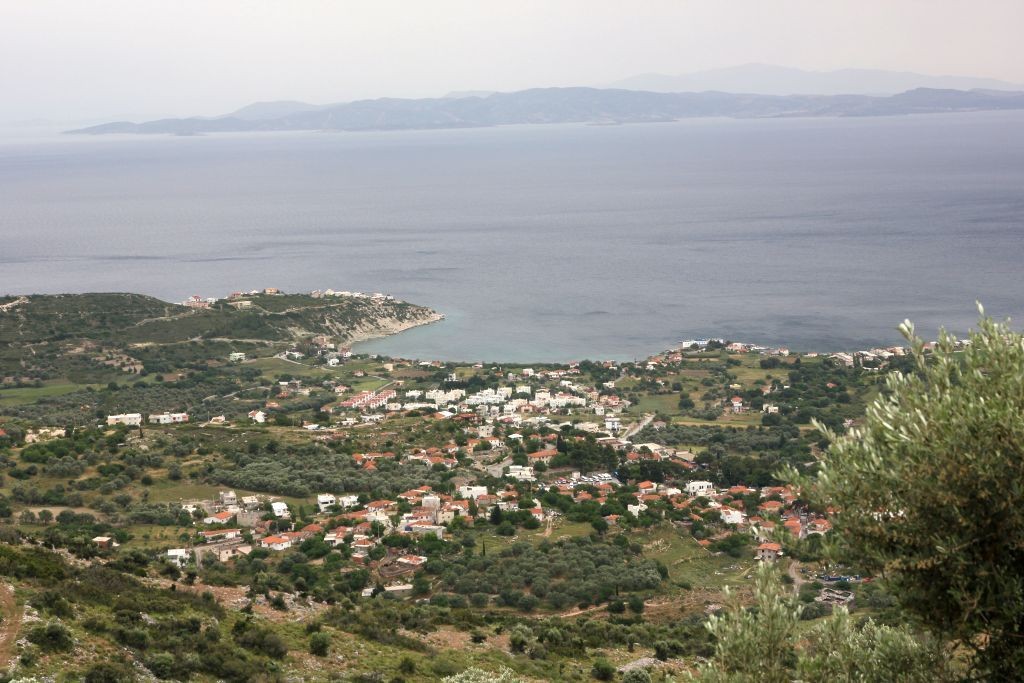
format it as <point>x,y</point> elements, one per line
<point>549,242</point>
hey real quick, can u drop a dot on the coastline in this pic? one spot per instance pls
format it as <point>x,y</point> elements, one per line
<point>392,330</point>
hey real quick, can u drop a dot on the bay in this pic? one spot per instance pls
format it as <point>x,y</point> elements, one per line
<point>549,242</point>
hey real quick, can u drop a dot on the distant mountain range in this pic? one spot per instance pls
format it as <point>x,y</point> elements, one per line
<point>564,105</point>
<point>766,79</point>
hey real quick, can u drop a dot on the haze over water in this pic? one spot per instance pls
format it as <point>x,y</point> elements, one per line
<point>545,243</point>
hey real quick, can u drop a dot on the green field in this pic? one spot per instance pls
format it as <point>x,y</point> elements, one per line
<point>688,562</point>
<point>25,395</point>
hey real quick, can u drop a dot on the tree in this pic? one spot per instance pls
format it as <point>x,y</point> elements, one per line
<point>602,670</point>
<point>764,644</point>
<point>497,517</point>
<point>929,491</point>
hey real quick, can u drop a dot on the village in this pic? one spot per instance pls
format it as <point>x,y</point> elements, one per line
<point>298,475</point>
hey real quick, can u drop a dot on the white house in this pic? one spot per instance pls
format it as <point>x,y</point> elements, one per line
<point>168,418</point>
<point>236,357</point>
<point>179,556</point>
<point>699,488</point>
<point>635,510</point>
<point>280,510</point>
<point>324,501</point>
<point>473,492</point>
<point>348,501</point>
<point>130,419</point>
<point>276,542</point>
<point>219,518</point>
<point>731,516</point>
<point>258,416</point>
<point>521,473</point>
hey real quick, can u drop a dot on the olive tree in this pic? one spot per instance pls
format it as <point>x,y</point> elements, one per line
<point>764,643</point>
<point>929,492</point>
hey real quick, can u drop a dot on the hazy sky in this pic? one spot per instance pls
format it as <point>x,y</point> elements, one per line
<point>80,59</point>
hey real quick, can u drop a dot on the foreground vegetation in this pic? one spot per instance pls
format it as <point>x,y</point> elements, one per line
<point>909,482</point>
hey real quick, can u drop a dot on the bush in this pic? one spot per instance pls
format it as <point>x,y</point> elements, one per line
<point>319,644</point>
<point>637,676</point>
<point>603,670</point>
<point>109,672</point>
<point>52,637</point>
<point>815,610</point>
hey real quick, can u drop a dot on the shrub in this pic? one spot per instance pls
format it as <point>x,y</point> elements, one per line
<point>109,672</point>
<point>603,670</point>
<point>52,637</point>
<point>319,644</point>
<point>637,676</point>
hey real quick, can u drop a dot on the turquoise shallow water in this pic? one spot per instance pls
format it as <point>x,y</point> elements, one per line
<point>550,242</point>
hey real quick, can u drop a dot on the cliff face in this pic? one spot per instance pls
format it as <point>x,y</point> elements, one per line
<point>348,323</point>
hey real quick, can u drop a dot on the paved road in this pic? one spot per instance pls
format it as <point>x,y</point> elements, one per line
<point>496,469</point>
<point>648,418</point>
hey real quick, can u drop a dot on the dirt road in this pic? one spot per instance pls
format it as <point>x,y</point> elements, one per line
<point>12,614</point>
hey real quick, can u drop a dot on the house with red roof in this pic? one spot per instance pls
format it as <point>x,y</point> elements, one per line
<point>219,518</point>
<point>276,542</point>
<point>768,552</point>
<point>544,456</point>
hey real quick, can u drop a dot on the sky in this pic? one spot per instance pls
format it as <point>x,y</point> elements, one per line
<point>75,60</point>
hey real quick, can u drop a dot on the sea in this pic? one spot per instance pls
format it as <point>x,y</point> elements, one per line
<point>549,243</point>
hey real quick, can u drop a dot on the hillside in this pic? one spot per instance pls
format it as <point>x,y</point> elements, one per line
<point>286,526</point>
<point>84,337</point>
<point>575,105</point>
<point>143,319</point>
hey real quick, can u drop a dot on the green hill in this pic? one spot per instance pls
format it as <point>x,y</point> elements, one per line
<point>47,337</point>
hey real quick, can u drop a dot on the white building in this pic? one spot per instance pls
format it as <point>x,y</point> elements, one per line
<point>236,357</point>
<point>473,492</point>
<point>130,419</point>
<point>324,501</point>
<point>348,501</point>
<point>280,510</point>
<point>276,542</point>
<point>168,418</point>
<point>731,516</point>
<point>521,473</point>
<point>179,556</point>
<point>699,488</point>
